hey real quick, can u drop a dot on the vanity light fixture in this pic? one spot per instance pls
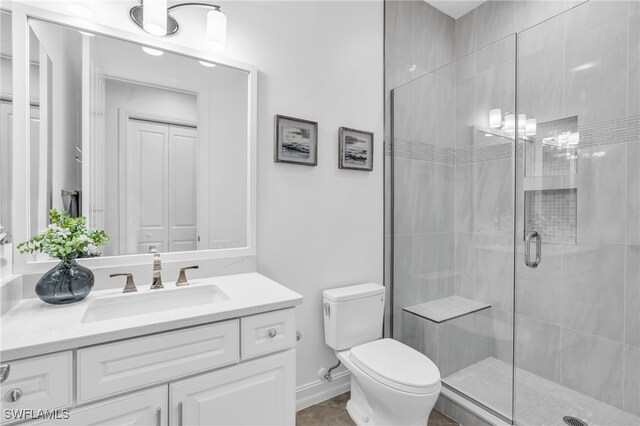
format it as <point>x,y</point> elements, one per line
<point>509,122</point>
<point>207,64</point>
<point>530,127</point>
<point>154,17</point>
<point>495,118</point>
<point>526,126</point>
<point>562,140</point>
<point>522,122</point>
<point>151,51</point>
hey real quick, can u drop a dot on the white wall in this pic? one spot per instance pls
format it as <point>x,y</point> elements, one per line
<point>318,227</point>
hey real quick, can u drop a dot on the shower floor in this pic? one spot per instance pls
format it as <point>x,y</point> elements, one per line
<point>538,401</point>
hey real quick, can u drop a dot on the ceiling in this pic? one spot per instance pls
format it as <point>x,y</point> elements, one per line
<point>455,8</point>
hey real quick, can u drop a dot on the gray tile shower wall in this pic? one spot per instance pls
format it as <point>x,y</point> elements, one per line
<point>577,319</point>
<point>420,39</point>
<point>586,296</point>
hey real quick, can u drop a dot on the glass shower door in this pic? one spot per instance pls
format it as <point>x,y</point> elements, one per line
<point>453,165</point>
<point>577,310</point>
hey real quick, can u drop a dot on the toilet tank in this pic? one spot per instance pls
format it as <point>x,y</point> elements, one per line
<point>352,315</point>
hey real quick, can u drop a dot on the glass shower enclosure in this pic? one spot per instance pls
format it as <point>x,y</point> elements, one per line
<point>515,239</point>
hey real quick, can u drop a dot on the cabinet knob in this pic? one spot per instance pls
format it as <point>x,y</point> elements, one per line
<point>272,332</point>
<point>14,395</point>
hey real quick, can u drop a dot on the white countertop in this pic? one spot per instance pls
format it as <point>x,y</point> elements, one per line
<point>33,327</point>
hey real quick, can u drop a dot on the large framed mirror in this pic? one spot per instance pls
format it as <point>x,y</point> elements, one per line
<point>6,125</point>
<point>153,146</point>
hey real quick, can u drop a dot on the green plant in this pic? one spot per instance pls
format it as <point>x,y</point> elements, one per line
<point>66,238</point>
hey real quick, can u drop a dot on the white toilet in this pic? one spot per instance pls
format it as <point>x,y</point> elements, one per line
<point>391,383</point>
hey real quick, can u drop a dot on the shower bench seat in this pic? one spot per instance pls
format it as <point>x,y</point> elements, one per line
<point>445,309</point>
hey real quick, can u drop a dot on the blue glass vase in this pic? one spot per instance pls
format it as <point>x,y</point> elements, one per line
<point>67,282</point>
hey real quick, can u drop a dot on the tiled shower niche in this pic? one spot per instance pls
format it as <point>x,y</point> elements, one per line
<point>550,193</point>
<point>553,213</point>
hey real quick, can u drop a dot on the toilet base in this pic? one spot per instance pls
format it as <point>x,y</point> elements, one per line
<point>356,414</point>
<point>392,407</point>
<point>361,412</point>
<point>358,407</point>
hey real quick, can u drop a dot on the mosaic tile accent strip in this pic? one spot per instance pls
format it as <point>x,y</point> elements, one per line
<point>422,151</point>
<point>479,153</point>
<point>552,212</point>
<point>609,132</point>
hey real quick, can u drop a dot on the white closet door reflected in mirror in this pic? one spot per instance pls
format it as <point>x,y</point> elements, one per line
<point>159,180</point>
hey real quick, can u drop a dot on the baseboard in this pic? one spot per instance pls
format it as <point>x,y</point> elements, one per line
<point>319,390</point>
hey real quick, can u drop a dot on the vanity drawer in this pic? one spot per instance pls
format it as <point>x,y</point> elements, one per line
<point>269,332</point>
<point>108,369</point>
<point>42,382</point>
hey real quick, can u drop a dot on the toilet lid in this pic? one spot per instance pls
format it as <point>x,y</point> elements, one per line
<point>397,365</point>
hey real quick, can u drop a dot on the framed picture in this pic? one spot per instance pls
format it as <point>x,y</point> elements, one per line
<point>355,149</point>
<point>296,141</point>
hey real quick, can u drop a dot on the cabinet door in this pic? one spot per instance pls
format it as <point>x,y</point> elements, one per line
<point>260,392</point>
<point>42,382</point>
<point>145,408</point>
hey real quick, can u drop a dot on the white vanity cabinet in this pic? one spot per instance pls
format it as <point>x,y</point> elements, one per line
<point>146,408</point>
<point>239,371</point>
<point>259,392</point>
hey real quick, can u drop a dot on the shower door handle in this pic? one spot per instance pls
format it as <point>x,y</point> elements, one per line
<point>527,249</point>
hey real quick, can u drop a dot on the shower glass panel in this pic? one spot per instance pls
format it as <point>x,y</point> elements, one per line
<point>453,165</point>
<point>577,351</point>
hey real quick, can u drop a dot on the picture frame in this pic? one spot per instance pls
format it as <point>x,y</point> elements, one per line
<point>296,141</point>
<point>355,149</point>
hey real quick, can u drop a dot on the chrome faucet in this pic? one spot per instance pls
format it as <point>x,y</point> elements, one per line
<point>157,269</point>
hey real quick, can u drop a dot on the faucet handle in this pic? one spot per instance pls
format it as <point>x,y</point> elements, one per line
<point>182,278</point>
<point>130,287</point>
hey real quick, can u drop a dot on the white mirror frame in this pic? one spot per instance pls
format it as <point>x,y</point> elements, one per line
<point>20,33</point>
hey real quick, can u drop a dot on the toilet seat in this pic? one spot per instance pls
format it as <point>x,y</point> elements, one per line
<point>397,366</point>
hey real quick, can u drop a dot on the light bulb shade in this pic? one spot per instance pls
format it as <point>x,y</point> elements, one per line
<point>522,122</point>
<point>154,18</point>
<point>510,122</point>
<point>574,139</point>
<point>495,118</point>
<point>216,35</point>
<point>531,127</point>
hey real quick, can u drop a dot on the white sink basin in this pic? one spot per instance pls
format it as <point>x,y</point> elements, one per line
<point>150,302</point>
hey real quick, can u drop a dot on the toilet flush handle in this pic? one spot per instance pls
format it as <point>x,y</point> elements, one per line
<point>327,309</point>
